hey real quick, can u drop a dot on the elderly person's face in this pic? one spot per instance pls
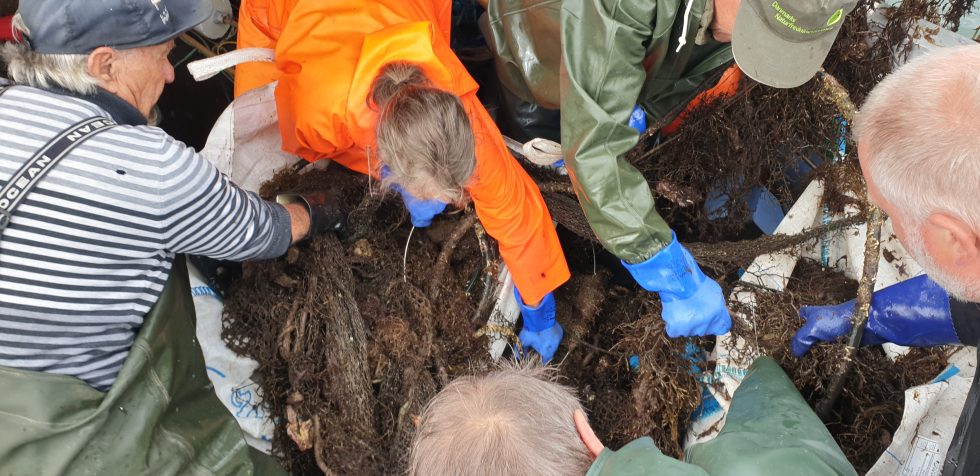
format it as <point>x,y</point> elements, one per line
<point>136,75</point>
<point>947,248</point>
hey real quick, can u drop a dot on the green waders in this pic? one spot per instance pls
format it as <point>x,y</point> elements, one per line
<point>161,417</point>
<point>770,430</point>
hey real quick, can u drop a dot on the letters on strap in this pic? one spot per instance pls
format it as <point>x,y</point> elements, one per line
<point>24,180</point>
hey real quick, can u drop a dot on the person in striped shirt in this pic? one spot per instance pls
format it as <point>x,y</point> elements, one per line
<point>87,253</point>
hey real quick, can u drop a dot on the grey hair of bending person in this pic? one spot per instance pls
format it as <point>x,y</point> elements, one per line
<point>515,421</point>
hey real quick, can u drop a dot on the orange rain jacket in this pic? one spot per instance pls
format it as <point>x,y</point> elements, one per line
<point>327,56</point>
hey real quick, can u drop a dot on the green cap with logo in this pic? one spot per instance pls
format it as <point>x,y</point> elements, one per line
<point>782,43</point>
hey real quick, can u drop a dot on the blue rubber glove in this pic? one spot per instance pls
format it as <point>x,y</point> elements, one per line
<point>914,312</point>
<point>422,211</point>
<point>638,119</point>
<point>693,303</point>
<point>541,331</point>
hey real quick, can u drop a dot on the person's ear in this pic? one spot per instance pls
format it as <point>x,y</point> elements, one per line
<point>100,63</point>
<point>591,441</point>
<point>951,240</point>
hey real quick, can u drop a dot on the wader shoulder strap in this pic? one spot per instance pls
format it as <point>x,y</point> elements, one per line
<point>24,179</point>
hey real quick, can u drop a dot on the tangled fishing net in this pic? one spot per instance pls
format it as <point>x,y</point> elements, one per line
<point>352,342</point>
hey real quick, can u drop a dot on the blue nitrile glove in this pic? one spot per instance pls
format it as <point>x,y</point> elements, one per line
<point>693,303</point>
<point>914,312</point>
<point>541,331</point>
<point>638,119</point>
<point>422,211</point>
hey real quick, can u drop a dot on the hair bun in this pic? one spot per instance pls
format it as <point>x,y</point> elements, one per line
<point>393,77</point>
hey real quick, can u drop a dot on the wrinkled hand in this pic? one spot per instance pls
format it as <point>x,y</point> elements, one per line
<point>693,304</point>
<point>541,331</point>
<point>421,211</point>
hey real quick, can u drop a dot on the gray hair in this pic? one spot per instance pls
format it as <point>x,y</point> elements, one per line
<point>514,421</point>
<point>919,131</point>
<point>45,70</point>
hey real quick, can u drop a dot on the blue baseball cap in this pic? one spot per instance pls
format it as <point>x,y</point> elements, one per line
<point>81,26</point>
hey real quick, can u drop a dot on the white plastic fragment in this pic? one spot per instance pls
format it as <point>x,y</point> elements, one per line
<point>230,373</point>
<point>505,312</point>
<point>245,143</point>
<point>920,444</point>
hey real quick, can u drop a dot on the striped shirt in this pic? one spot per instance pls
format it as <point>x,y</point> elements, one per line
<point>86,255</point>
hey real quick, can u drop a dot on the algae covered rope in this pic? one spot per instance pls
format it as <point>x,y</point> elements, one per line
<point>841,98</point>
<point>713,255</point>
<point>837,94</point>
<point>862,308</point>
<point>442,261</point>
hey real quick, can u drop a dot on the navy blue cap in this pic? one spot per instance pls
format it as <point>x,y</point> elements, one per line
<point>81,26</point>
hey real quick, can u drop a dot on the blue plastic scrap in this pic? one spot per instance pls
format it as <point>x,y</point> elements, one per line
<point>947,374</point>
<point>766,210</point>
<point>767,213</point>
<point>709,404</point>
